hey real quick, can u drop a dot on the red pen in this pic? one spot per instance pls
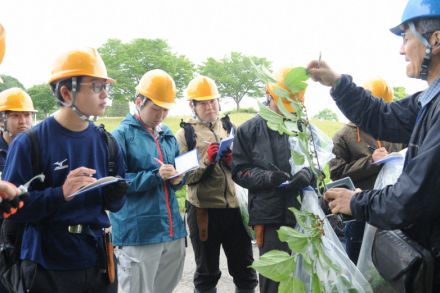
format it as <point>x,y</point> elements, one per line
<point>159,161</point>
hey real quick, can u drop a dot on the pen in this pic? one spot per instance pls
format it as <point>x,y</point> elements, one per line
<point>207,142</point>
<point>371,148</point>
<point>319,59</point>
<point>159,161</point>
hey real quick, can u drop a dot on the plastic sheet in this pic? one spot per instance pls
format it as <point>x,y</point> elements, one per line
<point>335,252</point>
<point>388,175</point>
<point>322,143</point>
<point>242,198</point>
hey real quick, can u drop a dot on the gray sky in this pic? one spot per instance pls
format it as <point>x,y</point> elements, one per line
<point>353,35</point>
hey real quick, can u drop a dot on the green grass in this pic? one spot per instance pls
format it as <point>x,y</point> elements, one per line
<point>328,127</point>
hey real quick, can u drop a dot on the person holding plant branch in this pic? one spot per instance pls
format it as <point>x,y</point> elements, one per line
<point>263,163</point>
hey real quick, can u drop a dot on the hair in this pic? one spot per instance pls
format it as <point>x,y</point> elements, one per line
<point>426,26</point>
<point>57,85</point>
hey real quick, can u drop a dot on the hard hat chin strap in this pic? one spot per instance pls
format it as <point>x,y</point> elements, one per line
<point>73,106</point>
<point>428,52</point>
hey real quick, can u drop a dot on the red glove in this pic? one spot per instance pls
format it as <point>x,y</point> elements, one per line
<point>227,158</point>
<point>212,151</point>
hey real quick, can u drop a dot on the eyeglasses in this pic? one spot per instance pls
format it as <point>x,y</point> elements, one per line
<point>98,87</point>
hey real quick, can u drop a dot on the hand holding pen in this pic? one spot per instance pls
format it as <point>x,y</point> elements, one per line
<point>76,179</point>
<point>378,153</point>
<point>166,171</point>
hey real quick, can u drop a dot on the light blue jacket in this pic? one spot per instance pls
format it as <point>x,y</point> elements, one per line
<point>151,213</point>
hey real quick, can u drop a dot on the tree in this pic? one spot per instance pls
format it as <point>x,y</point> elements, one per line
<point>127,62</point>
<point>399,93</point>
<point>8,82</point>
<point>235,75</point>
<point>43,99</point>
<point>326,114</point>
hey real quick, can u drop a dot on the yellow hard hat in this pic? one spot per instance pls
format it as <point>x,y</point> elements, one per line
<point>79,62</point>
<point>2,42</point>
<point>159,87</point>
<point>280,77</point>
<point>16,99</point>
<point>379,88</point>
<point>202,88</point>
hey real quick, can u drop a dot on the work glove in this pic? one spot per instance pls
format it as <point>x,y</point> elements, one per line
<point>301,179</point>
<point>278,177</point>
<point>227,158</point>
<point>116,191</point>
<point>212,152</point>
<point>10,206</point>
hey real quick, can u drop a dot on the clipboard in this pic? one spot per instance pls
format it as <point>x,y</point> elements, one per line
<point>186,162</point>
<point>97,184</point>
<point>224,145</point>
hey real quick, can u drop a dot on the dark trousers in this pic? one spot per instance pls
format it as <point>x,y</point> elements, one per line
<point>354,232</point>
<point>39,280</point>
<point>271,242</point>
<point>225,228</point>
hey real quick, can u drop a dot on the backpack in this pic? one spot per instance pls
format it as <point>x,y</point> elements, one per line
<point>190,135</point>
<point>11,233</point>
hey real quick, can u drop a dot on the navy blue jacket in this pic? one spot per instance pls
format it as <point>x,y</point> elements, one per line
<point>46,213</point>
<point>413,202</point>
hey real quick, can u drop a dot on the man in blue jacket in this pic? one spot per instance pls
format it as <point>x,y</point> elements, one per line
<point>63,241</point>
<point>413,203</point>
<point>149,229</point>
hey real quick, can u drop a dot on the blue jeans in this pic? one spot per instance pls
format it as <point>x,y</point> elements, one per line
<point>354,232</point>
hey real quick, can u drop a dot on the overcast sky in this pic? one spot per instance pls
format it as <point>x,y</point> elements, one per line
<point>353,35</point>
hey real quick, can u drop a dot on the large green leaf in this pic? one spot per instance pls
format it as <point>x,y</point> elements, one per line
<point>316,284</point>
<point>291,285</point>
<point>296,240</point>
<point>276,265</point>
<point>295,79</point>
<point>298,158</point>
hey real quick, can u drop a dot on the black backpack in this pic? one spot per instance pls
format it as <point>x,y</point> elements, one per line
<point>11,232</point>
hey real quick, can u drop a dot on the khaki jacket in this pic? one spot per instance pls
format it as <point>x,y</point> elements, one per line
<point>353,157</point>
<point>208,187</point>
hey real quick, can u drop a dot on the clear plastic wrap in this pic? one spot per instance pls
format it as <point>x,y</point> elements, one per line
<point>334,251</point>
<point>388,175</point>
<point>242,198</point>
<point>322,143</point>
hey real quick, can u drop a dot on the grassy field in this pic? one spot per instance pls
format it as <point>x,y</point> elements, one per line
<point>328,127</point>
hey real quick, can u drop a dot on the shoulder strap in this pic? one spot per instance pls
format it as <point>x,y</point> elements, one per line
<point>227,124</point>
<point>112,150</point>
<point>190,134</point>
<point>35,152</point>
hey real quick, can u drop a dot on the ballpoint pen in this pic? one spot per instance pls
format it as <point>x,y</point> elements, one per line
<point>159,161</point>
<point>319,59</point>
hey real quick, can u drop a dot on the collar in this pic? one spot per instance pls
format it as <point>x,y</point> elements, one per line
<point>430,93</point>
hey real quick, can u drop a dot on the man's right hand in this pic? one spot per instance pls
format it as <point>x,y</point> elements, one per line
<point>278,177</point>
<point>319,71</point>
<point>76,179</point>
<point>379,154</point>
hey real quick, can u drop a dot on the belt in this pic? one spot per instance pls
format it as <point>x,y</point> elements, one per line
<point>75,229</point>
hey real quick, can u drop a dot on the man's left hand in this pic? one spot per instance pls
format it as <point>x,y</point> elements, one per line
<point>227,158</point>
<point>339,200</point>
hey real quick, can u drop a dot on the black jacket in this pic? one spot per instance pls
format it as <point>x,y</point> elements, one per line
<point>257,152</point>
<point>413,202</point>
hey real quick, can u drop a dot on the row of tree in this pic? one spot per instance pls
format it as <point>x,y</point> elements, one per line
<point>234,74</point>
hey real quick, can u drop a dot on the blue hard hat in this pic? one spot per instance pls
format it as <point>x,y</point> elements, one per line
<point>416,9</point>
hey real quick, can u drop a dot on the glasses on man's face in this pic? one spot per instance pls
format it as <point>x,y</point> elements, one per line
<point>98,87</point>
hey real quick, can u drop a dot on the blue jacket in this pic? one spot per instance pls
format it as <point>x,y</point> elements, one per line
<point>412,204</point>
<point>151,213</point>
<point>47,214</point>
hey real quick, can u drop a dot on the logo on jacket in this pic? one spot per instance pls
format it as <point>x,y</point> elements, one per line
<point>60,165</point>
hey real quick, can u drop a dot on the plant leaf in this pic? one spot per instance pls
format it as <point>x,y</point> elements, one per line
<point>295,79</point>
<point>291,285</point>
<point>316,284</point>
<point>296,240</point>
<point>276,265</point>
<point>298,158</point>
